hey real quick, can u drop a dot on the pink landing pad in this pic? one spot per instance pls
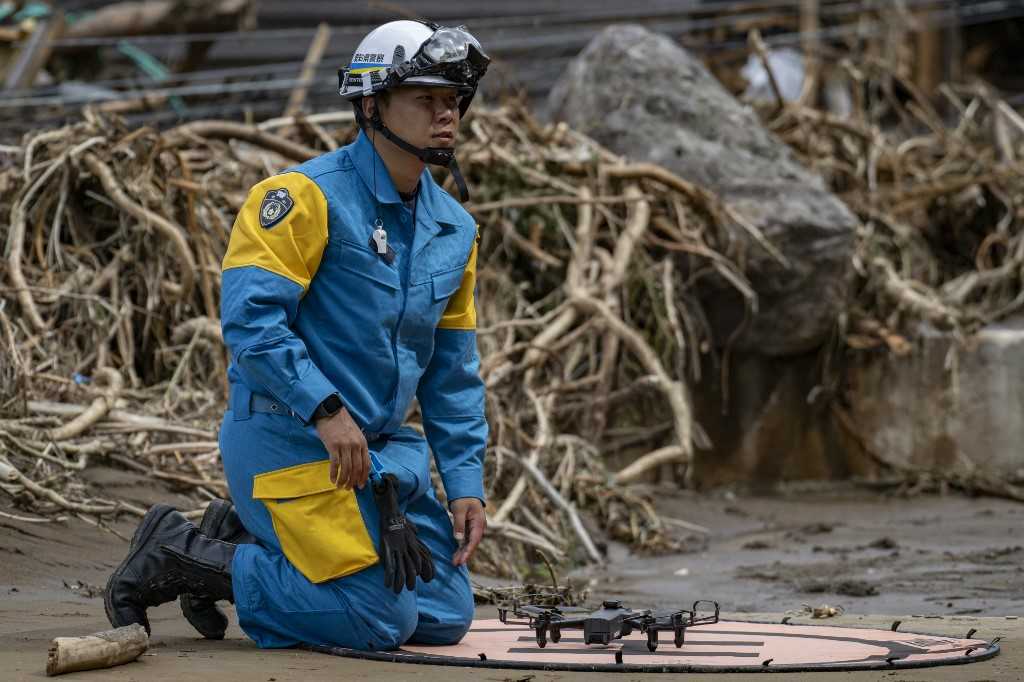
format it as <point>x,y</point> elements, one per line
<point>727,646</point>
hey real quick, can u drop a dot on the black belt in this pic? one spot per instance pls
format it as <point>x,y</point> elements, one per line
<point>262,403</point>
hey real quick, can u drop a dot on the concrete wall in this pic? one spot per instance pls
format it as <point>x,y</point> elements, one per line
<point>946,407</point>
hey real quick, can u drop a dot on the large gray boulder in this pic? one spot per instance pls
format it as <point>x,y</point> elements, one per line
<point>646,98</point>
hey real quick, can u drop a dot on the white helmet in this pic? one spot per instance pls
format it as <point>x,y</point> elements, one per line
<point>415,53</point>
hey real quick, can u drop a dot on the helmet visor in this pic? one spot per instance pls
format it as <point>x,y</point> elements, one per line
<point>454,54</point>
<point>449,45</point>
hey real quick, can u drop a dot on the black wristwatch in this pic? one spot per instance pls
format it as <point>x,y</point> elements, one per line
<point>330,406</point>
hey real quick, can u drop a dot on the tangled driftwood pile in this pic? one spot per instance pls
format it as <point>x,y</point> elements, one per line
<point>588,344</point>
<point>113,345</point>
<point>112,351</point>
<point>939,187</point>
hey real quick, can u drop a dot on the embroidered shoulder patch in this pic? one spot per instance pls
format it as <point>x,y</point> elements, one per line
<point>276,205</point>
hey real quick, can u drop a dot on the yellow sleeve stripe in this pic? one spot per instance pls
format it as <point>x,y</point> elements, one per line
<point>461,310</point>
<point>293,246</point>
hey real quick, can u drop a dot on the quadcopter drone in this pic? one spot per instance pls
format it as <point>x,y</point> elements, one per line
<point>611,621</point>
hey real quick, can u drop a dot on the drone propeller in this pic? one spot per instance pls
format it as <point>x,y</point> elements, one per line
<point>704,619</point>
<point>527,614</point>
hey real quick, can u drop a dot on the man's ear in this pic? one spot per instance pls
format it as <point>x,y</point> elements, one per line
<point>369,106</point>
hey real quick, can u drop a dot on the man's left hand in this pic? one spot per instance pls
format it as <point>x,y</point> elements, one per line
<point>470,522</point>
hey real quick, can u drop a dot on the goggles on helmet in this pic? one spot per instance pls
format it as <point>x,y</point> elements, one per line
<point>452,53</point>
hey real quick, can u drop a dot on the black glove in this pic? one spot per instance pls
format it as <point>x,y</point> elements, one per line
<point>403,554</point>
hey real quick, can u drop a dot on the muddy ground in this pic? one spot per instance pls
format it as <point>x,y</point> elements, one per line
<point>866,552</point>
<point>942,564</point>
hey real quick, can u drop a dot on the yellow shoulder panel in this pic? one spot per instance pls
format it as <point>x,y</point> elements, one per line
<point>282,227</point>
<point>461,310</point>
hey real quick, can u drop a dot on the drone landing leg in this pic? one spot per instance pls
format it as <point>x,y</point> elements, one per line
<point>680,637</point>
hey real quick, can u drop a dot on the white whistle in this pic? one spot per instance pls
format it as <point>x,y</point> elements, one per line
<point>380,238</point>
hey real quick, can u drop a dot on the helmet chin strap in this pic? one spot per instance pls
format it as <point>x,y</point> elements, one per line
<point>436,156</point>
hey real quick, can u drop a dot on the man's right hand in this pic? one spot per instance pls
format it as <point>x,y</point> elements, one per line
<point>346,444</point>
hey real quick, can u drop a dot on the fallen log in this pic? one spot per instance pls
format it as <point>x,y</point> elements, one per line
<point>98,650</point>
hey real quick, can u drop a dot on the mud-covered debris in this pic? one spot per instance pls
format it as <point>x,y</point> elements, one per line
<point>1001,553</point>
<point>855,588</point>
<point>818,528</point>
<point>83,588</point>
<point>823,611</point>
<point>849,587</point>
<point>884,543</point>
<point>736,511</point>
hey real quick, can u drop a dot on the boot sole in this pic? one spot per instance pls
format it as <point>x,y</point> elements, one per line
<point>150,521</point>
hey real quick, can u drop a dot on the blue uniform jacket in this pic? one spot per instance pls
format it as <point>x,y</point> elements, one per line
<point>308,308</point>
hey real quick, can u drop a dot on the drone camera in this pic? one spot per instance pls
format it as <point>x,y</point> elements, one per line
<point>597,631</point>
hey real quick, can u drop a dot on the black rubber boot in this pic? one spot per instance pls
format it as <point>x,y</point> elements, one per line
<point>220,522</point>
<point>167,556</point>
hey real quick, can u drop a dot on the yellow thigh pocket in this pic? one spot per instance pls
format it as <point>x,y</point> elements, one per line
<point>319,525</point>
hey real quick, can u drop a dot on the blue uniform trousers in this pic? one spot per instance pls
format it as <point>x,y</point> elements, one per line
<point>278,606</point>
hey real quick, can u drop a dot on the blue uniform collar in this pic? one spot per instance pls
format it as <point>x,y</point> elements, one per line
<point>430,207</point>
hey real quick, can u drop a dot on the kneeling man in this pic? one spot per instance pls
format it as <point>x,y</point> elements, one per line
<point>348,289</point>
